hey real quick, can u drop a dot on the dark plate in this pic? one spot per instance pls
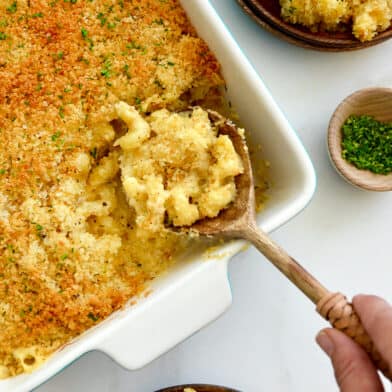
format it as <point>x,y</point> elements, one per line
<point>267,14</point>
<point>198,388</point>
<point>272,29</point>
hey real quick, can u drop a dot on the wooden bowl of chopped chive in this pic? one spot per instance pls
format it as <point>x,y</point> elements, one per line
<point>360,139</point>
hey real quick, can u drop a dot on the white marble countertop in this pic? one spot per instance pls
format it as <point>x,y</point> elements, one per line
<point>265,341</point>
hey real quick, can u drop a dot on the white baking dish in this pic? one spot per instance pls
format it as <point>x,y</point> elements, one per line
<point>197,291</point>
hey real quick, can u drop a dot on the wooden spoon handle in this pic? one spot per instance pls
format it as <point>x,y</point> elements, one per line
<point>301,278</point>
<point>334,307</point>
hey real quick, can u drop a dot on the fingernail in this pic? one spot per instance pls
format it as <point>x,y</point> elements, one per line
<point>359,296</point>
<point>325,342</point>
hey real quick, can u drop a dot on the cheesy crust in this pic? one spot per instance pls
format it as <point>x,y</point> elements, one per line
<point>70,249</point>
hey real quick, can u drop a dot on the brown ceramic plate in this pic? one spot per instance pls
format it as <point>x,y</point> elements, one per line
<point>272,29</point>
<point>198,388</point>
<point>267,12</point>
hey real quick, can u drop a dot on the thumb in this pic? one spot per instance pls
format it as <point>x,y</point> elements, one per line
<point>354,370</point>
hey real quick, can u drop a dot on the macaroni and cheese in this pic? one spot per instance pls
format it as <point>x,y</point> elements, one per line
<point>74,75</point>
<point>368,17</point>
<point>176,167</point>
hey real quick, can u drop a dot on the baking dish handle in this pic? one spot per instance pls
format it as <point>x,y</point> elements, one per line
<point>161,321</point>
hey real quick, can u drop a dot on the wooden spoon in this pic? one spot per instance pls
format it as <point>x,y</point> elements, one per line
<point>238,221</point>
<point>376,102</point>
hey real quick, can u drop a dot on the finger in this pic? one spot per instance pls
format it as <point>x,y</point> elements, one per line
<point>354,370</point>
<point>376,316</point>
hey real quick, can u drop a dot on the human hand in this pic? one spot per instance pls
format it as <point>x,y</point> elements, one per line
<point>354,370</point>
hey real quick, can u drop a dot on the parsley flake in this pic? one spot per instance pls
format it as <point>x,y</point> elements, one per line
<point>367,144</point>
<point>12,8</point>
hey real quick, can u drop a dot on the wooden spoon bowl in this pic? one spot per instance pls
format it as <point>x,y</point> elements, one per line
<point>376,102</point>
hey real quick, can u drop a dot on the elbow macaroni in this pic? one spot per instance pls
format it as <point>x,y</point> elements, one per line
<point>175,165</point>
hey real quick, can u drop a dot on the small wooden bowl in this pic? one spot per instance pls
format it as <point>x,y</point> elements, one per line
<point>376,102</point>
<point>267,14</point>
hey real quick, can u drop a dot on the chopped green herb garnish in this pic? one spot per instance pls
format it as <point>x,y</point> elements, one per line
<point>64,256</point>
<point>12,8</point>
<point>106,71</point>
<point>84,32</point>
<point>2,171</point>
<point>158,21</point>
<point>3,36</point>
<point>84,60</point>
<point>126,71</point>
<point>37,15</point>
<point>93,317</point>
<point>133,45</point>
<point>39,229</point>
<point>93,152</point>
<point>367,144</point>
<point>86,37</point>
<point>102,18</point>
<point>55,136</point>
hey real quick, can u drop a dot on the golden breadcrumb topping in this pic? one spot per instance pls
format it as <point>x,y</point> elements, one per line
<point>70,251</point>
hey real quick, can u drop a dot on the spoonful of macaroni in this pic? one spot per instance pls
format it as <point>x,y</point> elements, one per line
<point>191,172</point>
<point>176,168</point>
